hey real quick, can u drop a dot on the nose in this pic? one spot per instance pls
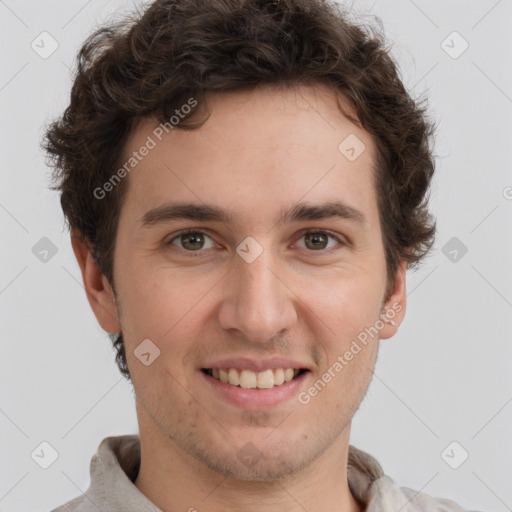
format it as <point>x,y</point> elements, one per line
<point>257,303</point>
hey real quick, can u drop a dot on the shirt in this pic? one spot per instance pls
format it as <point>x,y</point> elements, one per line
<point>115,465</point>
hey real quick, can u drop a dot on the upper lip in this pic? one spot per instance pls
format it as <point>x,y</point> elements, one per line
<point>256,365</point>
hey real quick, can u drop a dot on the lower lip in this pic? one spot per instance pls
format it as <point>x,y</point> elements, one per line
<point>256,398</point>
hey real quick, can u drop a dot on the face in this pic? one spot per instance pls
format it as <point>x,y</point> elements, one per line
<point>278,263</point>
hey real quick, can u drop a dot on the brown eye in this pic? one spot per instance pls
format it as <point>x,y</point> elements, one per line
<point>191,241</point>
<point>319,240</point>
<point>316,240</point>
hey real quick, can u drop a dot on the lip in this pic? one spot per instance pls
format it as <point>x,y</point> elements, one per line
<point>256,365</point>
<point>255,398</point>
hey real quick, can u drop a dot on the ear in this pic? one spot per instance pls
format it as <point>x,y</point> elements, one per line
<point>394,306</point>
<point>99,292</point>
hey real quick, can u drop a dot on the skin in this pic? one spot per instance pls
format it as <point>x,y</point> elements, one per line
<point>258,153</point>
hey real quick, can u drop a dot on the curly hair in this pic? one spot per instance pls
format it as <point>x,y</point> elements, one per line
<point>152,61</point>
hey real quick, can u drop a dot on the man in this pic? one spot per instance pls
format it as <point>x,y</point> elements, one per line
<point>245,184</point>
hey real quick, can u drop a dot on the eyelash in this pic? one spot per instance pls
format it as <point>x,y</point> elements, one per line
<point>200,251</point>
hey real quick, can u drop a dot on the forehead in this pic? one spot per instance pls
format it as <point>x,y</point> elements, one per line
<point>260,147</point>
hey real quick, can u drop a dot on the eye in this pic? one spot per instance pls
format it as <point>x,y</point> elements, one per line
<point>194,241</point>
<point>191,240</point>
<point>319,240</point>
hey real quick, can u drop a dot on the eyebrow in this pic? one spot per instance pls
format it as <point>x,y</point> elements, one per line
<point>210,213</point>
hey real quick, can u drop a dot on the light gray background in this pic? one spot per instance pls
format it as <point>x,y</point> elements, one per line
<point>444,377</point>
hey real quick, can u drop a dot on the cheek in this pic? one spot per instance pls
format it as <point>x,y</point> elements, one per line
<point>346,305</point>
<point>156,301</point>
<point>344,319</point>
<point>169,308</point>
<point>163,310</point>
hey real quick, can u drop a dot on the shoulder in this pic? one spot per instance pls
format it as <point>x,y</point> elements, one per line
<point>378,491</point>
<point>75,505</point>
<point>387,495</point>
<point>425,502</point>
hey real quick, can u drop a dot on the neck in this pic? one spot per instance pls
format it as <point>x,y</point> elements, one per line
<point>177,482</point>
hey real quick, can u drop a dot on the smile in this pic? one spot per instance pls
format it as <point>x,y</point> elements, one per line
<point>248,379</point>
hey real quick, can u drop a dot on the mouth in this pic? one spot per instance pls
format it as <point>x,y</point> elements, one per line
<point>248,379</point>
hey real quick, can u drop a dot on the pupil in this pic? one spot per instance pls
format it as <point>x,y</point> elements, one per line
<point>315,238</point>
<point>194,239</point>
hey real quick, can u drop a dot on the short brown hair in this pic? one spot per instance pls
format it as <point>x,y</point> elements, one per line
<point>152,62</point>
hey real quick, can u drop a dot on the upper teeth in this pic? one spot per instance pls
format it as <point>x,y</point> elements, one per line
<point>250,380</point>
